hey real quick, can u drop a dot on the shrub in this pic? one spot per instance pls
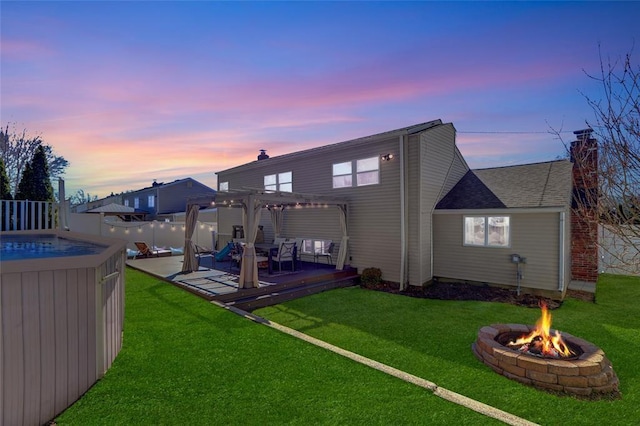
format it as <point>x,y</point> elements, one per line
<point>371,276</point>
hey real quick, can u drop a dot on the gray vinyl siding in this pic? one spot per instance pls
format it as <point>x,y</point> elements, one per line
<point>431,159</point>
<point>173,197</point>
<point>458,169</point>
<point>533,235</point>
<point>374,210</point>
<point>169,198</point>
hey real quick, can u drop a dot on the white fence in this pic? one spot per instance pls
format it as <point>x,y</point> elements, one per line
<point>167,235</point>
<point>619,254</point>
<point>22,215</point>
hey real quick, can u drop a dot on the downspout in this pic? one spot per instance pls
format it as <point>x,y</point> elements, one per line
<point>403,210</point>
<point>562,248</point>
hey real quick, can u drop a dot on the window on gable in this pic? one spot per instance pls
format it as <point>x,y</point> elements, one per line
<point>342,175</point>
<point>151,201</point>
<point>368,171</point>
<point>285,182</point>
<point>223,187</point>
<point>365,172</point>
<point>487,231</point>
<point>279,182</point>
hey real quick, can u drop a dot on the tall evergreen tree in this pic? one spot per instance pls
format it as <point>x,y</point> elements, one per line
<point>35,183</point>
<point>5,188</point>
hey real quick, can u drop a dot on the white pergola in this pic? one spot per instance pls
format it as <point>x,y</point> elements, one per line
<point>252,201</point>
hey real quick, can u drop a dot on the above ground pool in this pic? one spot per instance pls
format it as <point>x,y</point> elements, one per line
<point>20,247</point>
<point>61,319</point>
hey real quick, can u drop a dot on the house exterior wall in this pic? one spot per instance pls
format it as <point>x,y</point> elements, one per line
<point>433,161</point>
<point>173,197</point>
<point>535,236</point>
<point>431,164</point>
<point>373,213</point>
<point>169,198</point>
<point>143,196</point>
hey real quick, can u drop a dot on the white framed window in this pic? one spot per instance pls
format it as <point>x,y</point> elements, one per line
<point>136,203</point>
<point>365,172</point>
<point>368,171</point>
<point>279,182</point>
<point>126,202</point>
<point>487,231</point>
<point>151,201</point>
<point>285,182</point>
<point>223,187</point>
<point>342,175</point>
<point>311,246</point>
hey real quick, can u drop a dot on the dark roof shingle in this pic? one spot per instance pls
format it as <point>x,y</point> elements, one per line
<point>529,185</point>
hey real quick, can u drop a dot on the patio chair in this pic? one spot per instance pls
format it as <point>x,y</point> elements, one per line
<point>286,253</point>
<point>328,253</point>
<point>236,255</point>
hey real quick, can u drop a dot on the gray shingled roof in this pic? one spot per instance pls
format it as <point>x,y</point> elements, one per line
<point>112,208</point>
<point>524,186</point>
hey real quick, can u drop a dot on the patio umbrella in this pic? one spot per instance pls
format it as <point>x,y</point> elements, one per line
<point>249,269</point>
<point>190,263</point>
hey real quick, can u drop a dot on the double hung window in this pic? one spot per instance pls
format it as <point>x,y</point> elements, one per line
<point>361,172</point>
<point>279,182</point>
<point>488,231</point>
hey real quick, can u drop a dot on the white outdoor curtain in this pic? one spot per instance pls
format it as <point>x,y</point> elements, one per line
<point>277,217</point>
<point>250,222</point>
<point>344,242</point>
<point>190,262</point>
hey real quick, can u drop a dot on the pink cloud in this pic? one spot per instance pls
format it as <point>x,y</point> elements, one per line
<point>20,50</point>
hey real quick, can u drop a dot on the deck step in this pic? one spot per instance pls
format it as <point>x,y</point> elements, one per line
<point>275,296</point>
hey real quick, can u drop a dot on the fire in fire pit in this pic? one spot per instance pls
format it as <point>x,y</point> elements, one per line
<point>540,342</point>
<point>541,357</point>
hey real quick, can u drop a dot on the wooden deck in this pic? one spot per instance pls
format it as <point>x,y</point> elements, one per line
<point>295,287</point>
<point>218,282</point>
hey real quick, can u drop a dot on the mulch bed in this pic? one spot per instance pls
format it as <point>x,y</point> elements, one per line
<point>462,291</point>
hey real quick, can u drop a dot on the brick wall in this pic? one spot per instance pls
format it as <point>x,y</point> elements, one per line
<point>584,221</point>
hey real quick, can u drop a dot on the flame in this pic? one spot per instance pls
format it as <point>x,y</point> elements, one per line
<point>540,341</point>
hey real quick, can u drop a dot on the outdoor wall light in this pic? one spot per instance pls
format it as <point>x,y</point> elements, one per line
<point>386,157</point>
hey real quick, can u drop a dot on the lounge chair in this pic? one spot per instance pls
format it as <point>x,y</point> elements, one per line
<point>145,250</point>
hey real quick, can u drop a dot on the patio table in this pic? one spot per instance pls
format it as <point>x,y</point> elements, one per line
<point>272,251</point>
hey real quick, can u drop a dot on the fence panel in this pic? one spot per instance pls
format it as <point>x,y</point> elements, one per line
<point>25,215</point>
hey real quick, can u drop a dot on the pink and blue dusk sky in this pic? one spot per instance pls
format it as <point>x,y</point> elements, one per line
<point>129,92</point>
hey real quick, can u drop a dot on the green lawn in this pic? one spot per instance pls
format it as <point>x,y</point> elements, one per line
<point>431,339</point>
<point>185,361</point>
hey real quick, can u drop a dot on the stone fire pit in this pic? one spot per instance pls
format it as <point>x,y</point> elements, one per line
<point>588,373</point>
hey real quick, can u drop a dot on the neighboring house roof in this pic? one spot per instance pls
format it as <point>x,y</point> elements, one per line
<point>524,186</point>
<point>123,212</point>
<point>112,208</point>
<point>158,185</point>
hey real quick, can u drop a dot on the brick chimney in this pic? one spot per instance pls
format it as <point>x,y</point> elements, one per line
<point>584,211</point>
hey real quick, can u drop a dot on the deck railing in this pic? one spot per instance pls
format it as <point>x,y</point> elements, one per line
<point>25,215</point>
